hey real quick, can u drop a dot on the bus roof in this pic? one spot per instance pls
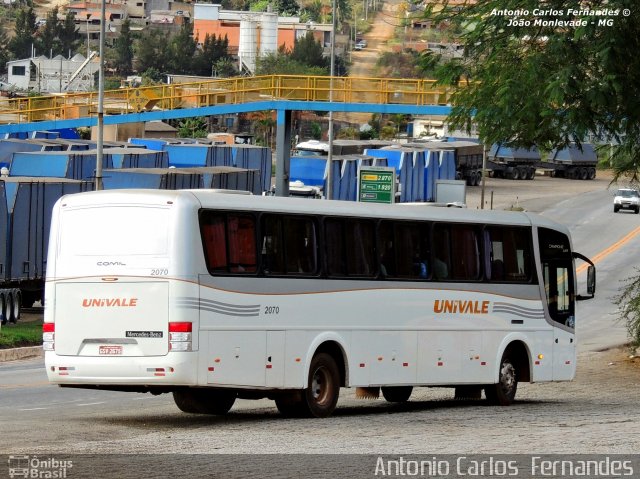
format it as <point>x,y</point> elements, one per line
<point>203,198</point>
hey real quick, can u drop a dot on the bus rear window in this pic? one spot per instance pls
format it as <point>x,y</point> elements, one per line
<point>115,231</point>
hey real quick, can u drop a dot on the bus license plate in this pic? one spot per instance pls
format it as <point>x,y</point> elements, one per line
<point>110,350</point>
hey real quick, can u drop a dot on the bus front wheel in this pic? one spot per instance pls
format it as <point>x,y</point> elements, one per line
<point>204,401</point>
<point>504,392</point>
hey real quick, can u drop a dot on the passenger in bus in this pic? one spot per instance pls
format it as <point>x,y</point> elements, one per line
<point>419,267</point>
<point>440,269</point>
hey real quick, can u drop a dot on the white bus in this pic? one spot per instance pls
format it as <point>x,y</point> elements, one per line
<point>214,297</point>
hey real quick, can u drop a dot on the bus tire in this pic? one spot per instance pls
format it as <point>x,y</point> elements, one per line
<point>10,314</point>
<point>320,397</point>
<point>290,404</point>
<point>503,392</point>
<point>397,393</point>
<point>204,401</point>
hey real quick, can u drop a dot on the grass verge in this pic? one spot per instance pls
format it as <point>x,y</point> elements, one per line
<point>21,334</point>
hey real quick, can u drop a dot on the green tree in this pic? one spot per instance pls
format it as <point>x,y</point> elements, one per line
<point>151,51</point>
<point>123,47</point>
<point>4,51</point>
<point>213,50</point>
<point>282,64</point>
<point>183,50</point>
<point>308,51</point>
<point>68,35</point>
<point>48,39</point>
<point>225,67</point>
<point>192,128</point>
<point>313,11</point>
<point>549,82</point>
<point>287,8</point>
<point>25,29</point>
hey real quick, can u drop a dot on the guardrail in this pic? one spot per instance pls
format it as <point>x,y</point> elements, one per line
<point>224,92</point>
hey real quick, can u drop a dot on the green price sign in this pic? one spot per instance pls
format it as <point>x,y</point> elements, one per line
<point>376,185</point>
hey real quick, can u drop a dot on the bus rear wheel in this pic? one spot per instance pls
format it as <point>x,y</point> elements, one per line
<point>504,392</point>
<point>320,397</point>
<point>204,401</point>
<point>397,393</point>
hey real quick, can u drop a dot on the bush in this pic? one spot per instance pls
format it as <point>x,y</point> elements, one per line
<point>628,301</point>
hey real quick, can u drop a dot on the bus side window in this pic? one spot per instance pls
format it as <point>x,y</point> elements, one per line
<point>213,230</point>
<point>300,245</point>
<point>387,254</point>
<point>466,261</point>
<point>509,254</point>
<point>361,253</point>
<point>441,252</point>
<point>271,242</point>
<point>241,241</point>
<point>335,247</point>
<point>229,242</point>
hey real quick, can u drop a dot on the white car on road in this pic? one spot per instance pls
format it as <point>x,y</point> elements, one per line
<point>626,198</point>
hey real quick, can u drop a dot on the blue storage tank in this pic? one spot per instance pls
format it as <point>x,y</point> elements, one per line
<point>308,169</point>
<point>152,178</point>
<point>10,146</point>
<point>151,143</point>
<point>137,158</point>
<point>76,165</point>
<point>181,178</point>
<point>49,135</point>
<point>431,173</point>
<point>194,155</point>
<point>25,221</point>
<point>253,157</point>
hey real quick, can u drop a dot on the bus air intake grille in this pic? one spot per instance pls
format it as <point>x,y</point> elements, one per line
<point>219,307</point>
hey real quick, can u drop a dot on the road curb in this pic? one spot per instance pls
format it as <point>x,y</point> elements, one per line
<point>20,353</point>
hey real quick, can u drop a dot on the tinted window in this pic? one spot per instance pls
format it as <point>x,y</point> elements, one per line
<point>404,249</point>
<point>557,271</point>
<point>508,254</point>
<point>229,242</point>
<point>288,245</point>
<point>350,247</point>
<point>456,252</point>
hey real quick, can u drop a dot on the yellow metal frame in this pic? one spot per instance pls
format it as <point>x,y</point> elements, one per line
<point>226,91</point>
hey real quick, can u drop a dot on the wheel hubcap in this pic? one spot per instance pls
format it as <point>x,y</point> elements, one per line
<point>507,377</point>
<point>320,386</point>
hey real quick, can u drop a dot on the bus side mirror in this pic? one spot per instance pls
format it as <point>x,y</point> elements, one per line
<point>591,277</point>
<point>591,280</point>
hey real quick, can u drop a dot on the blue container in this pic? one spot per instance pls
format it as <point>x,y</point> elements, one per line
<point>151,143</point>
<point>308,169</point>
<point>258,158</point>
<point>10,146</point>
<point>25,222</point>
<point>137,158</point>
<point>180,178</point>
<point>391,155</point>
<point>76,165</point>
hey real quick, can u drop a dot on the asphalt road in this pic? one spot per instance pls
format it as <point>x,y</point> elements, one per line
<point>595,413</point>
